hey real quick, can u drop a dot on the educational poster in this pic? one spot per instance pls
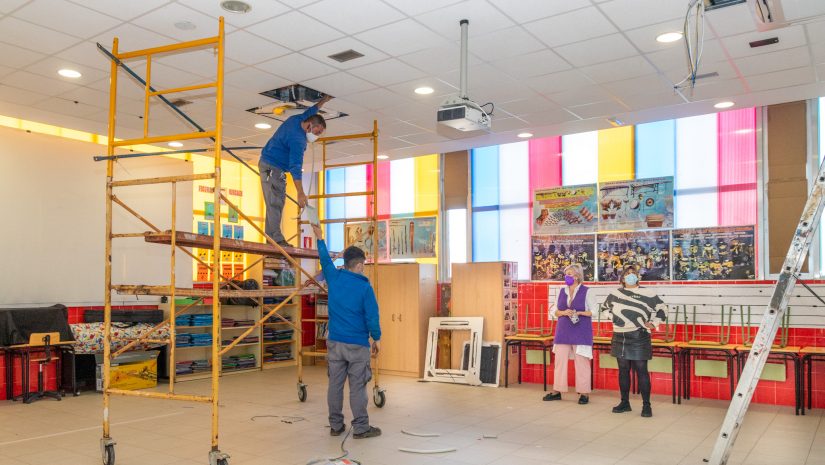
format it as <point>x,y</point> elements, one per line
<point>714,253</point>
<point>564,210</point>
<point>363,236</point>
<point>232,216</point>
<point>237,232</point>
<point>636,204</point>
<point>648,251</point>
<point>209,210</point>
<point>412,237</point>
<point>551,254</point>
<point>226,231</point>
<point>510,270</point>
<point>203,228</point>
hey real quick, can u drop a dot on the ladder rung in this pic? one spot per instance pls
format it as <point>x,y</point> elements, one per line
<point>340,220</point>
<point>121,235</point>
<point>365,135</point>
<point>169,138</point>
<point>342,194</point>
<point>183,178</point>
<point>168,48</point>
<point>183,89</point>
<point>342,165</point>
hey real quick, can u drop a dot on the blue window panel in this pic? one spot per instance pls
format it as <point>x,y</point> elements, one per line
<point>336,184</point>
<point>484,167</point>
<point>655,149</point>
<point>335,236</point>
<point>485,236</point>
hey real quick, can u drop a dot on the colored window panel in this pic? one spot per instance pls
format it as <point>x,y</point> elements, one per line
<point>514,174</point>
<point>696,197</point>
<point>616,161</point>
<point>737,167</point>
<point>580,158</point>
<point>485,236</point>
<point>484,169</point>
<point>655,149</point>
<point>514,230</point>
<point>426,184</point>
<point>402,187</point>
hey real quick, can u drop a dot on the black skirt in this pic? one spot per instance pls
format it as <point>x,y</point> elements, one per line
<point>634,345</point>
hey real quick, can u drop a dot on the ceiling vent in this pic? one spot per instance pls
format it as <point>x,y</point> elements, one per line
<point>293,100</point>
<point>347,55</point>
<point>181,102</point>
<point>714,4</point>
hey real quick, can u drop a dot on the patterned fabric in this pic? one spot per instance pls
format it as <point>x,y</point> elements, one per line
<point>631,309</point>
<point>89,336</point>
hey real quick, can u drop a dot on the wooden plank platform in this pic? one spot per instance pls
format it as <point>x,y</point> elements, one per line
<point>188,292</point>
<point>188,239</point>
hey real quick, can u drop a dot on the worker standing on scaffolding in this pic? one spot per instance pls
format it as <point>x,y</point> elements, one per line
<point>285,153</point>
<point>353,320</point>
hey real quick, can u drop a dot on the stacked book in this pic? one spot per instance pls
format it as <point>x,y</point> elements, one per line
<point>200,319</point>
<point>273,335</point>
<point>193,339</point>
<point>278,353</point>
<point>321,308</point>
<point>238,362</point>
<point>244,322</point>
<point>276,319</point>
<point>183,340</point>
<point>227,322</point>
<point>200,365</point>
<point>322,330</point>
<point>184,368</point>
<point>246,340</point>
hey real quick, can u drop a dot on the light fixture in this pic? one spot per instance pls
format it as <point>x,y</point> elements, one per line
<point>185,25</point>
<point>263,125</point>
<point>669,37</point>
<point>383,157</point>
<point>236,6</point>
<point>424,90</point>
<point>723,105</point>
<point>69,73</point>
<point>525,135</point>
<point>175,144</point>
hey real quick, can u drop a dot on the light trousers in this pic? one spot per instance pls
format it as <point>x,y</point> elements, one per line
<point>582,366</point>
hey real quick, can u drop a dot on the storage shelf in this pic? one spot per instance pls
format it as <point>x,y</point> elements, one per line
<point>280,363</point>
<point>275,323</point>
<point>192,327</point>
<point>272,343</point>
<point>177,347</point>
<point>315,320</point>
<point>235,371</point>
<point>243,344</point>
<point>314,353</point>
<point>194,376</point>
<point>237,327</point>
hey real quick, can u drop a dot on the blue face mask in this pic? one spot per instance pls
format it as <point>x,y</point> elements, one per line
<point>569,280</point>
<point>631,280</point>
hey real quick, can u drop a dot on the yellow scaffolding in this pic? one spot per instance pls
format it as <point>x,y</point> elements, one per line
<point>179,240</point>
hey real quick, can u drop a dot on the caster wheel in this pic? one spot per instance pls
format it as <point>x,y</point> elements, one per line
<point>379,398</point>
<point>223,462</point>
<point>302,392</point>
<point>109,455</point>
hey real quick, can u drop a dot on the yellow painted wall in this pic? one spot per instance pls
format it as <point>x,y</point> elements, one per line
<point>426,193</point>
<point>616,160</point>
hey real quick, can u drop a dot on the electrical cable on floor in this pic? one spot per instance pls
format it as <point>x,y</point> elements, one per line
<point>333,460</point>
<point>427,451</point>
<point>284,418</point>
<point>421,435</point>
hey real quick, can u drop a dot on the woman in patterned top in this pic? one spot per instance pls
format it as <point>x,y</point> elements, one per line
<point>635,312</point>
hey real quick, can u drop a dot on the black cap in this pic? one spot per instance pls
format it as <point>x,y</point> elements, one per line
<point>464,21</point>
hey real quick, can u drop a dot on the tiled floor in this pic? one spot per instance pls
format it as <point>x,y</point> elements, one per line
<point>527,431</point>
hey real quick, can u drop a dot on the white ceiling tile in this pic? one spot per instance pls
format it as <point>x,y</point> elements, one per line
<point>774,61</point>
<point>349,108</point>
<point>553,116</point>
<point>339,84</point>
<point>532,64</point>
<point>392,144</point>
<point>723,68</point>
<point>717,89</point>
<point>652,83</point>
<point>375,99</point>
<point>121,9</point>
<point>570,27</point>
<point>37,83</point>
<point>18,57</point>
<point>789,37</point>
<point>508,124</point>
<point>420,6</point>
<point>820,71</point>
<point>86,54</point>
<point>200,62</point>
<point>295,30</point>
<point>438,60</point>
<point>19,96</point>
<point>597,50</point>
<point>504,43</point>
<point>353,15</point>
<point>410,110</point>
<point>598,109</point>
<point>261,10</point>
<point>524,11</point>
<point>162,21</point>
<point>732,20</point>
<point>5,70</point>
<point>643,101</point>
<point>7,6</point>
<point>580,96</point>
<point>131,37</point>
<point>34,37</point>
<point>254,80</point>
<point>387,72</point>
<point>816,31</point>
<point>250,49</point>
<point>66,107</point>
<point>423,138</point>
<point>629,14</point>
<point>88,96</point>
<point>84,22</point>
<point>557,82</point>
<point>620,69</point>
<point>297,3</point>
<point>403,37</point>
<point>244,98</point>
<point>526,106</point>
<point>483,17</point>
<point>49,67</point>
<point>440,90</point>
<point>644,38</point>
<point>675,57</point>
<point>296,67</point>
<point>779,79</point>
<point>323,51</point>
<point>400,129</point>
<point>818,52</point>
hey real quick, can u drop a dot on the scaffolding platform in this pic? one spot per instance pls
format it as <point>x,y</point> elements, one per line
<point>188,239</point>
<point>189,292</point>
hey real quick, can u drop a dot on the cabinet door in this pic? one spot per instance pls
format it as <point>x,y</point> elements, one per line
<point>393,297</point>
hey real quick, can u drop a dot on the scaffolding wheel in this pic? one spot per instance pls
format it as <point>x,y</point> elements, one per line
<point>107,451</point>
<point>217,457</point>
<point>302,392</point>
<point>379,397</point>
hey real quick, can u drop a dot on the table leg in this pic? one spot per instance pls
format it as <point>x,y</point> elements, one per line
<point>544,364</point>
<point>506,363</point>
<point>673,375</point>
<point>519,362</point>
<point>9,375</point>
<point>731,373</point>
<point>810,381</point>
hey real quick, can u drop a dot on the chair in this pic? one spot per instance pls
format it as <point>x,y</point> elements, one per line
<point>46,353</point>
<point>701,346</point>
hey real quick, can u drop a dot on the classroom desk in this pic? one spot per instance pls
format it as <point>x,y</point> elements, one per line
<point>544,343</point>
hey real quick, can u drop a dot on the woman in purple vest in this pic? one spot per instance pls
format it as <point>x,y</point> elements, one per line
<point>574,334</point>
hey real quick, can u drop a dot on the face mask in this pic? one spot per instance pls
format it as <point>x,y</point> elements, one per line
<point>631,280</point>
<point>569,280</point>
<point>311,137</point>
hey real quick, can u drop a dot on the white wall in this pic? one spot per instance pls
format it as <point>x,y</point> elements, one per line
<point>52,222</point>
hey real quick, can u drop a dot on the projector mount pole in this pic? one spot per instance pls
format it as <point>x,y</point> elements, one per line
<point>465,24</point>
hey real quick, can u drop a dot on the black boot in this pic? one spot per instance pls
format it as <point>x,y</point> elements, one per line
<point>624,406</point>
<point>647,412</point>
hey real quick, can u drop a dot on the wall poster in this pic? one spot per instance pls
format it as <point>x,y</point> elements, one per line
<point>636,204</point>
<point>551,254</point>
<point>569,209</point>
<point>649,251</point>
<point>412,237</point>
<point>714,253</point>
<point>362,235</point>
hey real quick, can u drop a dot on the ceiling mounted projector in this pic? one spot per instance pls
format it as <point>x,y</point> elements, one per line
<point>459,112</point>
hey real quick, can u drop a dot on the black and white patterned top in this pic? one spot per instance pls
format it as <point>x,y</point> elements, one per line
<point>630,309</point>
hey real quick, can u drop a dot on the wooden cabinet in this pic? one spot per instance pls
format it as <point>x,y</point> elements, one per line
<point>406,301</point>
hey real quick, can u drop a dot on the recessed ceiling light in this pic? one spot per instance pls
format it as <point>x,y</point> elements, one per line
<point>175,144</point>
<point>525,135</point>
<point>424,90</point>
<point>669,37</point>
<point>725,104</point>
<point>263,125</point>
<point>383,157</point>
<point>69,73</point>
<point>235,6</point>
<point>185,25</point>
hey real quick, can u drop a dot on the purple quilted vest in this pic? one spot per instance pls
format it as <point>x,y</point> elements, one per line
<point>580,333</point>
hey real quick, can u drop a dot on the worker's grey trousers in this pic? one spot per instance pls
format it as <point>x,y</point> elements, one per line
<point>273,183</point>
<point>353,361</point>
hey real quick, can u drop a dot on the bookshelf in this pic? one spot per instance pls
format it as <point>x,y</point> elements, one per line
<point>278,338</point>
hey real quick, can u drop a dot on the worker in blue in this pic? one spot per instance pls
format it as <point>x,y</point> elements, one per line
<point>353,320</point>
<point>285,153</point>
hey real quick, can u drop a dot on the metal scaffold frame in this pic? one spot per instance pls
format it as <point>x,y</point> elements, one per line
<point>180,240</point>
